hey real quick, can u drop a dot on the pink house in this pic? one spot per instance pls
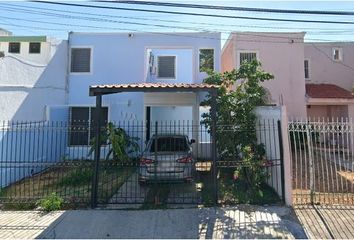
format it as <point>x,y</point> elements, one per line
<point>329,77</point>
<point>311,79</point>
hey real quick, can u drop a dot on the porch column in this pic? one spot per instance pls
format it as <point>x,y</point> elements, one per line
<point>97,150</point>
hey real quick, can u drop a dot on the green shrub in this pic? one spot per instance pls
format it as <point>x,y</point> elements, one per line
<point>51,203</point>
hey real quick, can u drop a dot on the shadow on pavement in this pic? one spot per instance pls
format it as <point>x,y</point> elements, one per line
<point>242,221</point>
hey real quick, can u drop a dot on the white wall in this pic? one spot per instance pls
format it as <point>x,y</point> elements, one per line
<point>26,87</point>
<point>268,134</point>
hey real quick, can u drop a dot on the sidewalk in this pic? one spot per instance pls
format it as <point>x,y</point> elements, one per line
<point>243,221</point>
<point>327,222</point>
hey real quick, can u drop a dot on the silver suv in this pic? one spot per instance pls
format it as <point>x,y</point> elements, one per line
<point>172,160</point>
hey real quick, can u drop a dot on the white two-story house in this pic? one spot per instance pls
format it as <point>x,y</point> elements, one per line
<point>118,58</point>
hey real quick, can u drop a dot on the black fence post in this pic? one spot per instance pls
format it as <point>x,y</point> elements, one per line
<point>213,146</point>
<point>97,151</point>
<point>281,152</point>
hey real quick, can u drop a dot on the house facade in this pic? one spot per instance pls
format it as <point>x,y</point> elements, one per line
<point>281,54</point>
<point>32,76</point>
<point>312,79</point>
<point>111,58</point>
<point>329,77</point>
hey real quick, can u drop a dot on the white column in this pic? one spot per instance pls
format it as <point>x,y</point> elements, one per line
<point>287,158</point>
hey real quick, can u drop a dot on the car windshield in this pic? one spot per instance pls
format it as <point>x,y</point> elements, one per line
<point>169,144</point>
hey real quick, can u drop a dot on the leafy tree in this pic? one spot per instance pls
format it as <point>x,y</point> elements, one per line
<point>239,93</point>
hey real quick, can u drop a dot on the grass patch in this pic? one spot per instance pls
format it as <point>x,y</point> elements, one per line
<point>71,181</point>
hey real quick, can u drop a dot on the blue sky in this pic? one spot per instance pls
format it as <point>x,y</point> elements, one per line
<point>26,18</point>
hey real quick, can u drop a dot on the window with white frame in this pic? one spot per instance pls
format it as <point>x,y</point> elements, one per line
<point>337,54</point>
<point>307,68</point>
<point>206,60</point>
<point>80,60</point>
<point>248,56</point>
<point>82,124</point>
<point>166,67</point>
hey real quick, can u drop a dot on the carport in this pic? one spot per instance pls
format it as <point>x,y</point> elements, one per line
<point>99,90</point>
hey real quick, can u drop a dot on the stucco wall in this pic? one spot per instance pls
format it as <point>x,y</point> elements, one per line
<point>281,54</point>
<point>26,87</point>
<point>228,56</point>
<point>324,70</point>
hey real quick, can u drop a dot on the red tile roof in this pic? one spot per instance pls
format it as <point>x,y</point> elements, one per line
<point>146,87</point>
<point>157,85</point>
<point>326,91</point>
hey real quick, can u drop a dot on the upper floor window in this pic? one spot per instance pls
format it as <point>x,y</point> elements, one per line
<point>307,69</point>
<point>248,56</point>
<point>14,47</point>
<point>80,60</point>
<point>337,54</point>
<point>206,60</point>
<point>34,47</point>
<point>166,67</point>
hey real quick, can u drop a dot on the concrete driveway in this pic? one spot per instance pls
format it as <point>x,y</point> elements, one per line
<point>243,221</point>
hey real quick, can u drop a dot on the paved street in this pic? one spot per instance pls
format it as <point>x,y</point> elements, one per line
<point>243,221</point>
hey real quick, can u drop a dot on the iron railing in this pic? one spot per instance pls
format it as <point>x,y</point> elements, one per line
<point>322,161</point>
<point>160,166</point>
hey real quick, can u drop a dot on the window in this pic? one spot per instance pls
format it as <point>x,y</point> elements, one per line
<point>307,69</point>
<point>34,47</point>
<point>14,47</point>
<point>204,134</point>
<point>206,60</point>
<point>337,54</point>
<point>247,56</point>
<point>166,67</point>
<point>82,124</point>
<point>80,60</point>
<point>169,144</point>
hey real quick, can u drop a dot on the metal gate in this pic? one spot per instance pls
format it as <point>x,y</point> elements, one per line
<point>172,167</point>
<point>322,161</point>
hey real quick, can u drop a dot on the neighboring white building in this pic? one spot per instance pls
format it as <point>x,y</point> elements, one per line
<point>32,76</point>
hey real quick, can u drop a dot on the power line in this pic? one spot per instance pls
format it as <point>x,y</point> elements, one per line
<point>243,9</point>
<point>14,7</point>
<point>198,14</point>
<point>146,24</point>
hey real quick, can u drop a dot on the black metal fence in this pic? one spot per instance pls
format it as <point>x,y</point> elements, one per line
<point>142,165</point>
